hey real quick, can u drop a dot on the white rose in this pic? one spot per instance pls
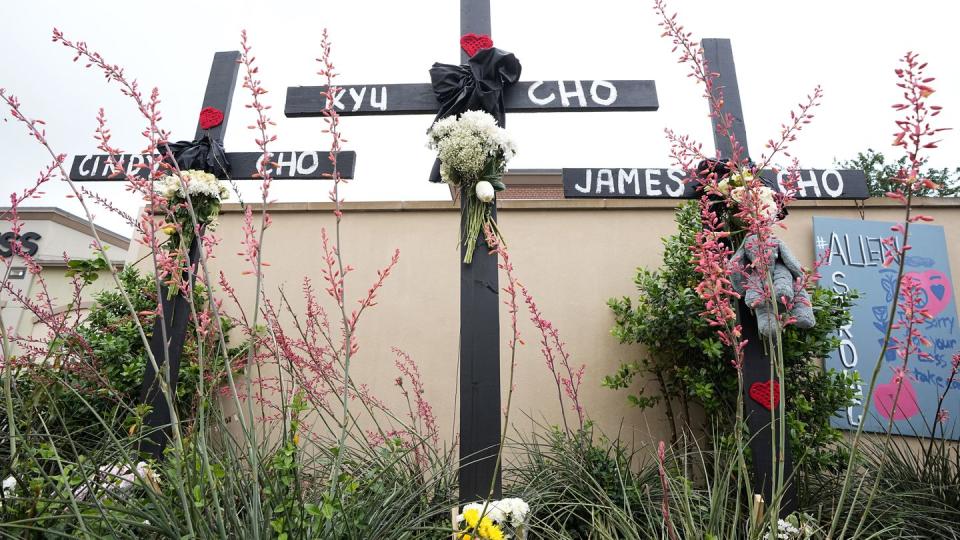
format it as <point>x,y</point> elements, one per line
<point>723,186</point>
<point>737,193</point>
<point>9,483</point>
<point>768,203</point>
<point>485,191</point>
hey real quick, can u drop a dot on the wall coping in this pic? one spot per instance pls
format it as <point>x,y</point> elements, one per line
<point>77,223</point>
<point>566,204</point>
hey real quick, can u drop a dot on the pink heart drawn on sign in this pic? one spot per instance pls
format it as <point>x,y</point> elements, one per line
<point>937,288</point>
<point>884,394</point>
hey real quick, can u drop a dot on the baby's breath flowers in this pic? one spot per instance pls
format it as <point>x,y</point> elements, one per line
<point>473,152</point>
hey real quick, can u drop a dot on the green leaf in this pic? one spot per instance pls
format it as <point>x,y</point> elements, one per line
<point>327,510</point>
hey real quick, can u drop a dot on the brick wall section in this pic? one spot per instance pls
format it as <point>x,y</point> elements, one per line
<point>531,192</point>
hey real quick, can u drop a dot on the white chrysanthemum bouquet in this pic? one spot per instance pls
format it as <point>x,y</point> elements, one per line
<point>199,184</point>
<point>205,192</point>
<point>473,152</point>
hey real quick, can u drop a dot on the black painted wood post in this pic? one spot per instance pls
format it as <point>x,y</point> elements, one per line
<point>166,345</point>
<point>718,54</point>
<point>170,331</point>
<point>479,335</point>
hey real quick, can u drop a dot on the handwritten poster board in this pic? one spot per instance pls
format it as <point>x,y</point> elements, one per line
<point>856,263</point>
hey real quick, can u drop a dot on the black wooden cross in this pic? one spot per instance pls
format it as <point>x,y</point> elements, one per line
<point>291,165</point>
<point>660,183</point>
<point>170,331</point>
<point>639,183</point>
<point>718,54</point>
<point>480,406</point>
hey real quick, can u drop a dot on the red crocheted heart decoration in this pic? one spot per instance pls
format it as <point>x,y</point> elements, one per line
<point>471,43</point>
<point>210,117</point>
<point>760,392</point>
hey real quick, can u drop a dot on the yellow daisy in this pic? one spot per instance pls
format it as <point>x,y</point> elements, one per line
<point>472,517</point>
<point>489,531</point>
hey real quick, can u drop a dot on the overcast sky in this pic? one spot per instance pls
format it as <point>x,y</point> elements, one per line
<point>782,50</point>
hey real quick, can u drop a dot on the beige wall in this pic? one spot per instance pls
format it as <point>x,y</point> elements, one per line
<point>572,255</point>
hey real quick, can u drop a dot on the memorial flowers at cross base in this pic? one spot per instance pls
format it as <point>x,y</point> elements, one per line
<point>473,152</point>
<point>496,520</point>
<point>120,478</point>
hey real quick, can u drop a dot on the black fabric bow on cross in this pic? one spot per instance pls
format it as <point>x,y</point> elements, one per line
<point>724,167</point>
<point>476,85</point>
<point>203,154</point>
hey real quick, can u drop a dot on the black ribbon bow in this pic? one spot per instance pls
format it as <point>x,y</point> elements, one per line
<point>203,154</point>
<point>476,85</point>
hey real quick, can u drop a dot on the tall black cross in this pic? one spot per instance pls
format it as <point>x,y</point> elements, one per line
<point>664,183</point>
<point>170,330</point>
<point>480,405</point>
<point>718,54</point>
<point>290,164</point>
<point>634,183</point>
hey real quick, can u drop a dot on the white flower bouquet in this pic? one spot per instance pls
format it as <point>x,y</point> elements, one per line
<point>473,152</point>
<point>495,520</point>
<point>120,478</point>
<point>740,185</point>
<point>199,184</point>
<point>206,193</point>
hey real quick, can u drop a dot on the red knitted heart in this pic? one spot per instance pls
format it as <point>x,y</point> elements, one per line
<point>210,117</point>
<point>760,392</point>
<point>471,43</point>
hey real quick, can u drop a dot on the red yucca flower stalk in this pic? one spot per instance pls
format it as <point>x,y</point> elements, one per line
<point>914,134</point>
<point>553,350</point>
<point>715,244</point>
<point>665,484</point>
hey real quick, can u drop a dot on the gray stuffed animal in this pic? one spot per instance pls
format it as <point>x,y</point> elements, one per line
<point>785,269</point>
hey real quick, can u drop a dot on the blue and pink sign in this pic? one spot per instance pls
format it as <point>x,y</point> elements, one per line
<point>855,262</point>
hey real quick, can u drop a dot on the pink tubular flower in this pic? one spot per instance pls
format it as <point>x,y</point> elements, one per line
<point>665,484</point>
<point>712,251</point>
<point>550,340</point>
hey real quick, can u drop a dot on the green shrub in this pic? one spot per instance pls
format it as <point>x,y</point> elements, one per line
<point>96,373</point>
<point>690,366</point>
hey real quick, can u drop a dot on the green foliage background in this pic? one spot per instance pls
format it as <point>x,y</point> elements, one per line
<point>691,367</point>
<point>98,371</point>
<point>879,173</point>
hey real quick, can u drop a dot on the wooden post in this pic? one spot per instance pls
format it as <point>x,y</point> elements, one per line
<point>479,336</point>
<point>166,345</point>
<point>170,330</point>
<point>719,56</point>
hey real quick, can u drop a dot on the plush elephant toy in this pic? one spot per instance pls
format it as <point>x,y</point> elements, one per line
<point>785,268</point>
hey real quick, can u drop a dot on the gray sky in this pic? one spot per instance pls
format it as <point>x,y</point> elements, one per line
<point>782,50</point>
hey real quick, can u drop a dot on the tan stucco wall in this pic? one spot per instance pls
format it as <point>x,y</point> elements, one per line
<point>572,255</point>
